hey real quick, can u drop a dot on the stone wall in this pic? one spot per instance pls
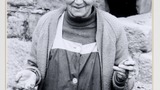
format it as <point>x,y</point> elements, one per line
<point>144,6</point>
<point>23,15</point>
<point>139,33</point>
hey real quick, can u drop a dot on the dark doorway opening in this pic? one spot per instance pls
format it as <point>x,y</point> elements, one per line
<point>122,8</point>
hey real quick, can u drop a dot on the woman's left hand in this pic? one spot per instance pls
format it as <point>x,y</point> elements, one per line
<point>126,70</point>
<point>126,66</point>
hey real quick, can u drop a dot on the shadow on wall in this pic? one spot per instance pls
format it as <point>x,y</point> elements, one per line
<point>124,8</point>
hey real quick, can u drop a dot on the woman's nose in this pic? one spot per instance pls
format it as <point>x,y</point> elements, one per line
<point>78,2</point>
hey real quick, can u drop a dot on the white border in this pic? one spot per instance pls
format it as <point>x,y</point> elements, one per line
<point>2,45</point>
<point>156,44</point>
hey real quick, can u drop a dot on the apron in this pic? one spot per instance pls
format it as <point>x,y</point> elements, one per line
<point>72,66</point>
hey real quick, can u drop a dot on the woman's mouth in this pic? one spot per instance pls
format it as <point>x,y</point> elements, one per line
<point>78,7</point>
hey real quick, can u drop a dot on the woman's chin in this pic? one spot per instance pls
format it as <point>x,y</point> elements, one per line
<point>77,15</point>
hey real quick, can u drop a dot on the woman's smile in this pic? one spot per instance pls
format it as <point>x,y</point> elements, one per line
<point>79,8</point>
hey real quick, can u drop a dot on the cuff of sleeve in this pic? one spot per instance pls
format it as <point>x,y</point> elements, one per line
<point>37,72</point>
<point>118,85</point>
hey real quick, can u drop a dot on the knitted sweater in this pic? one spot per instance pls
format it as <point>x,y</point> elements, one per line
<point>81,30</point>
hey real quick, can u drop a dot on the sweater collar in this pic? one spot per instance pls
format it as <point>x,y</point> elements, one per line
<point>81,21</point>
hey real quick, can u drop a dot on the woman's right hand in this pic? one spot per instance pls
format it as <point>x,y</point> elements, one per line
<point>26,79</point>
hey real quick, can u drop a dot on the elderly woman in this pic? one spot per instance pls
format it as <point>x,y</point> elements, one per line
<point>76,48</point>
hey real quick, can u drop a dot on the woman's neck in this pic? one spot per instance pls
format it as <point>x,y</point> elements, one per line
<point>80,21</point>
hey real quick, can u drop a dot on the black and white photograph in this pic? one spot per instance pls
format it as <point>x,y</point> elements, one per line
<point>79,45</point>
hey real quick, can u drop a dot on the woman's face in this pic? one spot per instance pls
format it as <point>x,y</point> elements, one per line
<point>79,8</point>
